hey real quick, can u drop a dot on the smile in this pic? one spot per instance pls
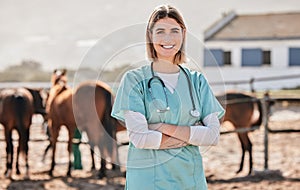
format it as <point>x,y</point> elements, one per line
<point>167,46</point>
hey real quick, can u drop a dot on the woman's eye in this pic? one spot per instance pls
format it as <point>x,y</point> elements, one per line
<point>175,31</point>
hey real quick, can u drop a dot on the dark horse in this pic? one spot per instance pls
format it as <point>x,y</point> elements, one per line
<point>39,96</point>
<point>60,112</point>
<point>245,113</point>
<point>92,102</point>
<point>16,110</point>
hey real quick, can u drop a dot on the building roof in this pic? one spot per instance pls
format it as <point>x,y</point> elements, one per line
<point>275,26</point>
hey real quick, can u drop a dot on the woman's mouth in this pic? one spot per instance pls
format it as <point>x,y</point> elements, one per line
<point>167,46</point>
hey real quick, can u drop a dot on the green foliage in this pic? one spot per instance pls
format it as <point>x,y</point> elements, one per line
<point>26,71</point>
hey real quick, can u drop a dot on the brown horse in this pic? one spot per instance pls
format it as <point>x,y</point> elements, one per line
<point>60,112</point>
<point>245,113</point>
<point>16,110</point>
<point>39,96</point>
<point>92,106</point>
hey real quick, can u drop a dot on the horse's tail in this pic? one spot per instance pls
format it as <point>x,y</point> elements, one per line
<point>109,122</point>
<point>20,111</point>
<point>260,110</point>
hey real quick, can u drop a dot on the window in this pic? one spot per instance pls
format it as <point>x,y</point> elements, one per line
<point>216,57</point>
<point>227,58</point>
<point>266,58</point>
<point>213,57</point>
<point>294,57</point>
<point>252,57</point>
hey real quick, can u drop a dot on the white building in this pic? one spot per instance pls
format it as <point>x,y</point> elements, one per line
<point>255,46</point>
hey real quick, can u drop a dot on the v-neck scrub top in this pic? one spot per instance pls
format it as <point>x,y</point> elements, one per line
<point>176,168</point>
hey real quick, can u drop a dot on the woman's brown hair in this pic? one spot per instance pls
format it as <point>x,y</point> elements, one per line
<point>165,11</point>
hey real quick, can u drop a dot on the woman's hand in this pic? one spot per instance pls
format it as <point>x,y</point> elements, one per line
<point>179,132</point>
<point>167,141</point>
<point>155,126</point>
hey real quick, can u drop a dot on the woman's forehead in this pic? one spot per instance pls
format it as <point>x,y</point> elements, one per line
<point>166,23</point>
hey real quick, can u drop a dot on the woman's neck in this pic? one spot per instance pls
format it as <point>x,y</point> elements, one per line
<point>165,67</point>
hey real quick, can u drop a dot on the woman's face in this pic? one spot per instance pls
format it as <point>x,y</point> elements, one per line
<point>167,37</point>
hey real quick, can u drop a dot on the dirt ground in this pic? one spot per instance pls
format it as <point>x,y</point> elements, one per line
<point>220,162</point>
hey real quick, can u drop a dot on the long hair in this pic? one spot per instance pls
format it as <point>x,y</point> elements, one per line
<point>165,11</point>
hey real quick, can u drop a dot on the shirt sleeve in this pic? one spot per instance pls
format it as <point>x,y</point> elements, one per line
<point>208,101</point>
<point>130,96</point>
<point>208,134</point>
<point>139,134</point>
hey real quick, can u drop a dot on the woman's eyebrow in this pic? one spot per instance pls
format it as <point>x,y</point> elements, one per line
<point>175,29</point>
<point>159,29</point>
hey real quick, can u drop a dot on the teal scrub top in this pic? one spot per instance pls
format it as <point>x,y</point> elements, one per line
<point>177,168</point>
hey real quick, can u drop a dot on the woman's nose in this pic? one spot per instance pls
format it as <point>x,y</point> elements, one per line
<point>167,37</point>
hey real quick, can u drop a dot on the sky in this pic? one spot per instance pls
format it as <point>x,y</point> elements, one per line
<point>64,33</point>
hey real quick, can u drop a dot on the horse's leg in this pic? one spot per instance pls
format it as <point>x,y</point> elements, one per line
<point>26,151</point>
<point>54,135</point>
<point>9,152</point>
<point>17,159</point>
<point>243,141</point>
<point>23,138</point>
<point>45,152</point>
<point>45,124</point>
<point>249,149</point>
<point>93,159</point>
<point>246,146</point>
<point>102,171</point>
<point>111,125</point>
<point>71,136</point>
<point>115,157</point>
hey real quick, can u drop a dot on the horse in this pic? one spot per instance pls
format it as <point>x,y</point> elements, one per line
<point>245,113</point>
<point>16,110</point>
<point>39,95</point>
<point>92,103</point>
<point>59,111</point>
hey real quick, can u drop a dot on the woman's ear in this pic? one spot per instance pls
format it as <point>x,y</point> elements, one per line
<point>183,33</point>
<point>150,35</point>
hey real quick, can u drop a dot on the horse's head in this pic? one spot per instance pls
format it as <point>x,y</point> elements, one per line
<point>59,85</point>
<point>59,77</point>
<point>40,96</point>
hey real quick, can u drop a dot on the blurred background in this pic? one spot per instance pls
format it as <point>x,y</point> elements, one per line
<point>248,46</point>
<point>237,41</point>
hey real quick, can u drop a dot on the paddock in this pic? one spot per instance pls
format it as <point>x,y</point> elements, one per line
<point>220,162</point>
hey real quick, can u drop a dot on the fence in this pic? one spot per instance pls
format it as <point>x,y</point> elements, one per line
<point>253,80</point>
<point>266,101</point>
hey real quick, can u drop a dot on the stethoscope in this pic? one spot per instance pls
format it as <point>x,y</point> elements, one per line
<point>193,112</point>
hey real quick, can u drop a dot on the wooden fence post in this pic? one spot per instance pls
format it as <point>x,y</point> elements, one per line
<point>266,110</point>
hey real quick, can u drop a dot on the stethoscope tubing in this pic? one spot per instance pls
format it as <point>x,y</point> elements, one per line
<point>193,112</point>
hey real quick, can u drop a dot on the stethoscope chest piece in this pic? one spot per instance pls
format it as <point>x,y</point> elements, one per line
<point>195,113</point>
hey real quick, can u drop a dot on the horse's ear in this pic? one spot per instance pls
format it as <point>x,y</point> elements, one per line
<point>55,70</point>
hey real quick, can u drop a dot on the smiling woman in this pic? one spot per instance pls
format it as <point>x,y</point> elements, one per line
<point>163,124</point>
<point>167,38</point>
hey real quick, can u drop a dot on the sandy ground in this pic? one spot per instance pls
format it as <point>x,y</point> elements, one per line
<point>220,162</point>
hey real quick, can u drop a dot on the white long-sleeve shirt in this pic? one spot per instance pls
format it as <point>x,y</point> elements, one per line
<point>142,137</point>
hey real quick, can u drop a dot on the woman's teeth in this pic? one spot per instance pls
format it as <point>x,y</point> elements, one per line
<point>168,47</point>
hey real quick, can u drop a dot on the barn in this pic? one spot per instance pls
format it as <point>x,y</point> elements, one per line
<point>262,48</point>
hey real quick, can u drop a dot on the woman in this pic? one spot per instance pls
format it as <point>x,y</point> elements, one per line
<point>163,106</point>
